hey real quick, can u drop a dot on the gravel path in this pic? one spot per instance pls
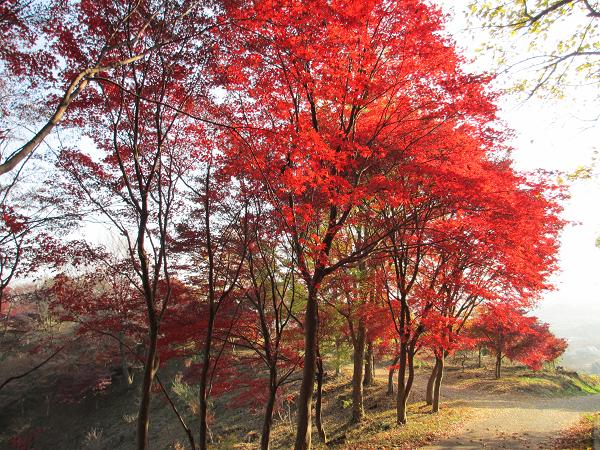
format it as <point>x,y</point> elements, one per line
<point>519,422</point>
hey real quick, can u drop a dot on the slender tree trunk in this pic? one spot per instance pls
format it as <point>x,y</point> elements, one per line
<point>392,369</point>
<point>203,394</point>
<point>78,84</point>
<point>123,356</point>
<point>318,405</point>
<point>186,429</point>
<point>405,383</point>
<point>499,348</point>
<point>369,366</point>
<point>498,364</point>
<point>430,383</point>
<point>151,361</point>
<point>30,371</point>
<point>212,312</point>
<point>437,387</point>
<point>357,373</point>
<point>338,364</point>
<point>150,368</point>
<point>268,417</point>
<point>479,358</point>
<point>401,394</point>
<point>411,374</point>
<point>311,321</point>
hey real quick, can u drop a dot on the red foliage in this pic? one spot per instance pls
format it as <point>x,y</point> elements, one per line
<point>506,330</point>
<point>349,162</point>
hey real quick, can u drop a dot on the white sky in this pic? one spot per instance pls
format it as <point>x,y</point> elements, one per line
<point>556,135</point>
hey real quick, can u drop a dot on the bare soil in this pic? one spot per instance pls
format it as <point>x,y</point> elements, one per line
<point>514,419</point>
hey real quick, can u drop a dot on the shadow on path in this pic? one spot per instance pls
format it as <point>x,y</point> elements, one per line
<point>518,422</point>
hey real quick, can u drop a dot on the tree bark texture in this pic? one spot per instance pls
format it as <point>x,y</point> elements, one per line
<point>430,383</point>
<point>150,368</point>
<point>401,393</point>
<point>268,417</point>
<point>303,426</point>
<point>318,405</point>
<point>369,366</point>
<point>435,407</point>
<point>357,372</point>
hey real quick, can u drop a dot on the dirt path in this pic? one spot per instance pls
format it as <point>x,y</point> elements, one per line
<point>517,422</point>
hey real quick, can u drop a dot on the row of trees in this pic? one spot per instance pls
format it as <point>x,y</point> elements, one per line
<point>282,176</point>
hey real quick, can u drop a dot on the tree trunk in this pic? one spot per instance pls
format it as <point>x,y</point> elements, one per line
<point>392,369</point>
<point>479,358</point>
<point>498,364</point>
<point>437,387</point>
<point>405,383</point>
<point>338,364</point>
<point>150,368</point>
<point>268,417</point>
<point>430,383</point>
<point>369,366</point>
<point>78,84</point>
<point>401,394</point>
<point>203,389</point>
<point>357,373</point>
<point>411,374</point>
<point>318,419</point>
<point>311,321</point>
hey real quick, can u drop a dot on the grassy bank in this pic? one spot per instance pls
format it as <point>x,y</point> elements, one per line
<point>379,428</point>
<point>545,383</point>
<point>106,419</point>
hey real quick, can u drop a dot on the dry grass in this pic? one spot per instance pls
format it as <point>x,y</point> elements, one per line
<point>378,430</point>
<point>107,420</point>
<point>582,434</point>
<point>520,380</point>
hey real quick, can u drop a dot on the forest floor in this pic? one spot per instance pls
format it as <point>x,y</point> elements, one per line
<point>522,410</point>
